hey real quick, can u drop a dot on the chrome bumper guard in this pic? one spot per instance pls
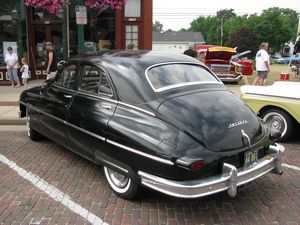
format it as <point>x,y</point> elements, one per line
<point>230,79</point>
<point>229,180</point>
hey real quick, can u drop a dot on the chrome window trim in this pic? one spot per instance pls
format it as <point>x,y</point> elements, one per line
<point>104,73</point>
<point>183,84</point>
<point>165,161</point>
<point>64,88</point>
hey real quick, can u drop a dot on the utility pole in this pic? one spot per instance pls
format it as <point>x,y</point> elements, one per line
<point>222,32</point>
<point>80,33</point>
<point>65,30</point>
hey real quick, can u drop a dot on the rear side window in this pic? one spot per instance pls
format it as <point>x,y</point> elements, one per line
<point>170,76</point>
<point>67,77</point>
<point>93,80</point>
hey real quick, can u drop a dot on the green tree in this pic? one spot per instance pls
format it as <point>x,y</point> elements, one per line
<point>209,27</point>
<point>226,14</point>
<point>275,28</point>
<point>157,27</point>
<point>244,39</point>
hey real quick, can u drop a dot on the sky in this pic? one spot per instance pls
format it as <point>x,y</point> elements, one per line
<point>177,14</point>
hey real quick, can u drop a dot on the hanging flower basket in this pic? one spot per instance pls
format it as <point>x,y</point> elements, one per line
<point>54,6</point>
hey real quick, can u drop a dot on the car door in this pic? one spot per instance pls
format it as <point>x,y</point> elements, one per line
<point>54,103</point>
<point>91,109</point>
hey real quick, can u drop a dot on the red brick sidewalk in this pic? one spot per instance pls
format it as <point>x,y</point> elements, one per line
<point>270,200</point>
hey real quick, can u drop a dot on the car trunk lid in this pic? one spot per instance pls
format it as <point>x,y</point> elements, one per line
<point>219,120</point>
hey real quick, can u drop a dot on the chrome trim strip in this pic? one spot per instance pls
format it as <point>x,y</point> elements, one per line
<point>96,96</point>
<point>184,84</point>
<point>137,108</point>
<point>116,166</point>
<point>273,97</point>
<point>51,116</point>
<point>71,125</point>
<point>165,161</point>
<point>229,78</point>
<point>229,180</point>
<point>85,131</point>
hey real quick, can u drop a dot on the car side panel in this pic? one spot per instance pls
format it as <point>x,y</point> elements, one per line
<point>258,103</point>
<point>30,99</point>
<point>144,142</point>
<point>52,108</point>
<point>88,116</point>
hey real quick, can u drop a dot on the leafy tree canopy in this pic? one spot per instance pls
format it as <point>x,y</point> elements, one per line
<point>157,27</point>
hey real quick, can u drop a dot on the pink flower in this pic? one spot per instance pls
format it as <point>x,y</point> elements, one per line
<point>55,6</point>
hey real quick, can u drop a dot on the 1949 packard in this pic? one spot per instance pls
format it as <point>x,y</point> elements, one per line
<point>153,119</point>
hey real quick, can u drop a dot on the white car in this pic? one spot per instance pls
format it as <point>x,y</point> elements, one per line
<point>277,104</point>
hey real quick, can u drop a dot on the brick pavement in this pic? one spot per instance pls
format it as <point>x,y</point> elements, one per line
<point>270,200</point>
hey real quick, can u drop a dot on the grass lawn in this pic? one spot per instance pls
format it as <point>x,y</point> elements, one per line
<point>274,75</point>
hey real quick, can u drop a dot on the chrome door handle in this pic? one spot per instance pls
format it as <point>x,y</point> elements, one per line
<point>106,107</point>
<point>68,96</point>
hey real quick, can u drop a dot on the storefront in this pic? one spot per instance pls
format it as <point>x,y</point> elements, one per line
<point>109,29</point>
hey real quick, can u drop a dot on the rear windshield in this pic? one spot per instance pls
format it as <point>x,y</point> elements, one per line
<point>164,77</point>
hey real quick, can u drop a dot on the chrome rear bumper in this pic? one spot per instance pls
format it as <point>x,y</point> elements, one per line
<point>229,78</point>
<point>229,180</point>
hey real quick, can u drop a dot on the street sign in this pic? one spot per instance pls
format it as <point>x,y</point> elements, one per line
<point>81,15</point>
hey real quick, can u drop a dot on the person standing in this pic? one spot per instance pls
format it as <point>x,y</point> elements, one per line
<point>51,61</point>
<point>11,60</point>
<point>262,64</point>
<point>25,72</point>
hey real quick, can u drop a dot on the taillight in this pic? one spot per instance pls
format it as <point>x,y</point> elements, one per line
<point>197,165</point>
<point>190,163</point>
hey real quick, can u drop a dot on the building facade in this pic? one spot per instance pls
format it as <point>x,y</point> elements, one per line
<point>27,29</point>
<point>176,41</point>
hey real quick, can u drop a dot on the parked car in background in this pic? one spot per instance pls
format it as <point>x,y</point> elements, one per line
<point>153,119</point>
<point>277,104</point>
<point>287,60</point>
<point>219,60</point>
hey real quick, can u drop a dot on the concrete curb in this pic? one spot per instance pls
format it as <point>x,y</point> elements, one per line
<point>12,122</point>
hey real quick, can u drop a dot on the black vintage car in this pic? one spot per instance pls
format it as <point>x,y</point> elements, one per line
<point>153,119</point>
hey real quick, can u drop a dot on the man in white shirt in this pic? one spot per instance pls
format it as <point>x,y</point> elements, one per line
<point>262,64</point>
<point>11,60</point>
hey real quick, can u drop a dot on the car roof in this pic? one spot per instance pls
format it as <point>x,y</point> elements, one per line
<point>127,70</point>
<point>146,57</point>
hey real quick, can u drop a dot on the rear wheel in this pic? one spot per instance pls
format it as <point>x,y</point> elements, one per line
<point>122,185</point>
<point>32,134</point>
<point>279,120</point>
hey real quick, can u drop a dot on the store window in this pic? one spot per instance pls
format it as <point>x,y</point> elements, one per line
<point>133,8</point>
<point>99,32</point>
<point>41,14</point>
<point>8,27</point>
<point>132,36</point>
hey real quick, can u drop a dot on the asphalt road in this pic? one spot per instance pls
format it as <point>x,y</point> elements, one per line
<point>43,183</point>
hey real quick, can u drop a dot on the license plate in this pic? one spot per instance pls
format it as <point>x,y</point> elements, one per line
<point>250,157</point>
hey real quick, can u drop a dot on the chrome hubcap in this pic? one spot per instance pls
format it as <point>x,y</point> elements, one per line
<point>276,121</point>
<point>118,179</point>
